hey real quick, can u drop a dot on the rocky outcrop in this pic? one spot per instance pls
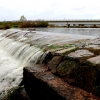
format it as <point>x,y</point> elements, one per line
<point>40,83</point>
<point>71,73</point>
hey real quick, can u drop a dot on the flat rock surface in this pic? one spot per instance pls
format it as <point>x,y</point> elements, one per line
<point>94,60</point>
<point>93,46</point>
<point>80,53</point>
<point>65,50</point>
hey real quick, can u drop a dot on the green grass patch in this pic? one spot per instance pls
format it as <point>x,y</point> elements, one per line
<point>57,47</point>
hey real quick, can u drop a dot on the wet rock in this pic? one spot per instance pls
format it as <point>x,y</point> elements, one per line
<point>81,55</point>
<point>66,70</point>
<point>96,41</point>
<point>95,61</point>
<point>41,83</point>
<point>48,56</point>
<point>65,67</point>
<point>54,63</point>
<point>16,93</point>
<point>94,48</point>
<point>85,78</point>
<point>65,51</point>
<point>82,76</point>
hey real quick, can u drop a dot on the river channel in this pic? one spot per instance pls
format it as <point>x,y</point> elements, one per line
<point>75,31</point>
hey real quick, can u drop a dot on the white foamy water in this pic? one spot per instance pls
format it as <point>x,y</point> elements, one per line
<point>18,49</point>
<point>14,55</point>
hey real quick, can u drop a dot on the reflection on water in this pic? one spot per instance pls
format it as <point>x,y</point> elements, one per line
<point>79,31</point>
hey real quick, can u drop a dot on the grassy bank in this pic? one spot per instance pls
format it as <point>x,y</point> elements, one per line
<point>25,24</point>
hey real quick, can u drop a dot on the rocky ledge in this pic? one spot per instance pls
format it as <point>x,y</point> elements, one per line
<point>71,73</point>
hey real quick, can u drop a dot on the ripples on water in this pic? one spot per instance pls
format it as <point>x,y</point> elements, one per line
<point>79,31</point>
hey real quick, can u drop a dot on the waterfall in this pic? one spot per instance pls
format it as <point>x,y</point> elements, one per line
<point>14,55</point>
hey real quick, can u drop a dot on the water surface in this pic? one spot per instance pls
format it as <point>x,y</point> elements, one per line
<point>78,31</point>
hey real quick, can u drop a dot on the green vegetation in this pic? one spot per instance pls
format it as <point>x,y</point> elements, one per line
<point>57,47</point>
<point>22,24</point>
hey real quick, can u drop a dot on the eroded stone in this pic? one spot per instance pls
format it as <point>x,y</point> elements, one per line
<point>65,51</point>
<point>65,67</point>
<point>94,60</point>
<point>54,63</point>
<point>94,48</point>
<point>80,53</point>
<point>40,85</point>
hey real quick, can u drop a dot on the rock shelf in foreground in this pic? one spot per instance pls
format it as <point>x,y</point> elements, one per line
<point>41,83</point>
<point>67,74</point>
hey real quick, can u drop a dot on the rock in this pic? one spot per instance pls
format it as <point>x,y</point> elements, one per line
<point>95,61</point>
<point>80,55</point>
<point>54,62</point>
<point>82,76</point>
<point>16,93</point>
<point>94,48</point>
<point>85,78</point>
<point>65,67</point>
<point>66,70</point>
<point>41,83</point>
<point>65,51</point>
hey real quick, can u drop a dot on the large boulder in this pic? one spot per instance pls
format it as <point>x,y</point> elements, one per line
<point>40,83</point>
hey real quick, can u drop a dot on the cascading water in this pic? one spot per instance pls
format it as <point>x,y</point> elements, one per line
<point>24,48</point>
<point>14,55</point>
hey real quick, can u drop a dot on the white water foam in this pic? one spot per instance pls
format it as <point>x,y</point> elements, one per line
<point>14,55</point>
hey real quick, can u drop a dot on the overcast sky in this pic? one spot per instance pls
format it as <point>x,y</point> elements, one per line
<point>49,9</point>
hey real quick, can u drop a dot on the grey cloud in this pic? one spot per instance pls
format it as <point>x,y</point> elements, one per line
<point>52,9</point>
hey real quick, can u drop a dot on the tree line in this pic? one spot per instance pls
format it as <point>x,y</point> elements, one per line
<point>23,24</point>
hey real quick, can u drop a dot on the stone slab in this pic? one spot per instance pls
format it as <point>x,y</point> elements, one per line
<point>65,50</point>
<point>94,60</point>
<point>80,53</point>
<point>41,83</point>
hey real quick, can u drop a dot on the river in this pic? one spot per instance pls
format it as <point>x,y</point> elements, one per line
<point>77,31</point>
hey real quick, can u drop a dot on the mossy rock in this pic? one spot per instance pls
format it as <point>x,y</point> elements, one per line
<point>16,93</point>
<point>65,67</point>
<point>12,93</point>
<point>54,62</point>
<point>55,47</point>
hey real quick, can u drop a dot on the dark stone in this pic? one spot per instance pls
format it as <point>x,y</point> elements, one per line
<point>16,93</point>
<point>83,76</point>
<point>48,57</point>
<point>42,84</point>
<point>37,88</point>
<point>86,78</point>
<point>65,67</point>
<point>54,62</point>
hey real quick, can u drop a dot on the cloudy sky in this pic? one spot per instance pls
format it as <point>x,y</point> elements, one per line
<point>49,9</point>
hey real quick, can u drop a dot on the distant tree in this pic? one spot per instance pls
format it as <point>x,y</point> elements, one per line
<point>23,18</point>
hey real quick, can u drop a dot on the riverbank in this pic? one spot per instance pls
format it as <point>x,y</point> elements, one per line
<point>23,24</point>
